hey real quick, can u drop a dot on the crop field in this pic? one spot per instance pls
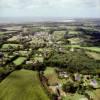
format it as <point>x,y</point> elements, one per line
<point>19,60</point>
<point>22,85</point>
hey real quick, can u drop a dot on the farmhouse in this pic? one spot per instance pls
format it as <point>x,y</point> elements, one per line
<point>94,83</point>
<point>77,76</point>
<point>63,74</point>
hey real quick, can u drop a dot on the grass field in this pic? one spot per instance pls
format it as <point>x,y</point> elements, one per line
<point>37,58</point>
<point>52,76</point>
<point>73,32</point>
<point>96,49</point>
<point>12,45</point>
<point>1,33</point>
<point>24,53</point>
<point>97,94</point>
<point>74,40</point>
<point>14,38</point>
<point>19,60</point>
<point>22,85</point>
<point>59,34</point>
<point>75,96</point>
<point>94,55</point>
<point>36,40</point>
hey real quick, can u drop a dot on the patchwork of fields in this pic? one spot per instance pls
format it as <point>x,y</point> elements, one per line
<point>49,61</point>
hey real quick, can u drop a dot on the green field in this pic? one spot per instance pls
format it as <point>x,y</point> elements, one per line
<point>24,53</point>
<point>1,33</point>
<point>94,55</point>
<point>96,49</point>
<point>38,58</point>
<point>97,94</point>
<point>22,85</point>
<point>36,41</point>
<point>74,40</point>
<point>5,46</point>
<point>19,60</point>
<point>58,34</point>
<point>14,38</point>
<point>52,76</point>
<point>75,96</point>
<point>73,32</point>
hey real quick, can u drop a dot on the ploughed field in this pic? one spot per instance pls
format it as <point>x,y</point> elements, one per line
<point>22,85</point>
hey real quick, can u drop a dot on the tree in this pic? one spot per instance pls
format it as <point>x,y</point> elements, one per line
<point>70,87</point>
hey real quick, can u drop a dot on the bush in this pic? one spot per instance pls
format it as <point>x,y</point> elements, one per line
<point>69,87</point>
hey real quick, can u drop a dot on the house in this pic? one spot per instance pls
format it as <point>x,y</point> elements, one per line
<point>77,77</point>
<point>72,49</point>
<point>87,77</point>
<point>63,74</point>
<point>29,62</point>
<point>94,83</point>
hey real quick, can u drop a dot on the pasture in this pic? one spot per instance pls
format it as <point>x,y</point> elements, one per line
<point>95,49</point>
<point>19,60</point>
<point>52,76</point>
<point>73,32</point>
<point>22,85</point>
<point>6,46</point>
<point>58,34</point>
<point>14,38</point>
<point>94,55</point>
<point>74,40</point>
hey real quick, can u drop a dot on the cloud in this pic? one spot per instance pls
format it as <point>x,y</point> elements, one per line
<point>46,3</point>
<point>48,6</point>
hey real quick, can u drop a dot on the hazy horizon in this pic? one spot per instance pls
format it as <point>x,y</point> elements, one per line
<point>48,10</point>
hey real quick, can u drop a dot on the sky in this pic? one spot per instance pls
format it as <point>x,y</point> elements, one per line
<point>50,8</point>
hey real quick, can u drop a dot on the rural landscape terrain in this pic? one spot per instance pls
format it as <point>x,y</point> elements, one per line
<point>50,60</point>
